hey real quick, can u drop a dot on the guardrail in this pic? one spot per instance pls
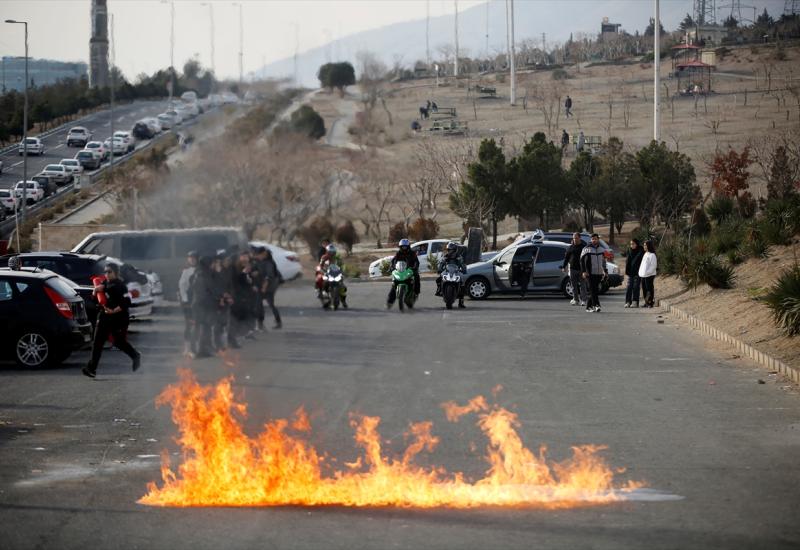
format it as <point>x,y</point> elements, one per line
<point>7,226</point>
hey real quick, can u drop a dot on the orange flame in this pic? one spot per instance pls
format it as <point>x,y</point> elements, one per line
<point>222,466</point>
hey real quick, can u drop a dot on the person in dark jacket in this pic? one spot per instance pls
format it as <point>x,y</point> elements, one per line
<point>112,320</point>
<point>244,297</point>
<point>453,255</point>
<point>221,280</point>
<point>272,280</point>
<point>593,266</point>
<point>404,254</point>
<point>259,284</point>
<point>572,264</point>
<point>204,304</point>
<point>568,107</point>
<point>632,263</point>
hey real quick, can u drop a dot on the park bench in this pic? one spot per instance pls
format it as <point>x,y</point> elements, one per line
<point>449,127</point>
<point>444,112</point>
<point>486,91</point>
<point>593,144</point>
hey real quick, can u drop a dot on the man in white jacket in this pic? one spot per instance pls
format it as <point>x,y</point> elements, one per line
<point>647,273</point>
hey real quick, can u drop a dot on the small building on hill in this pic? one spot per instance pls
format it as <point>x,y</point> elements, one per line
<point>608,29</point>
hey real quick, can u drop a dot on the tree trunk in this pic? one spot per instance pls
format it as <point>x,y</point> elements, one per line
<point>611,231</point>
<point>494,233</point>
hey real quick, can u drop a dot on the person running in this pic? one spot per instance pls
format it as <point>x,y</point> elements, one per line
<point>593,265</point>
<point>632,263</point>
<point>647,273</point>
<point>112,320</point>
<point>572,264</point>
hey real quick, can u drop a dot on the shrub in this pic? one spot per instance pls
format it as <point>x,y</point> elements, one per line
<point>784,212</point>
<point>351,271</point>
<point>720,208</point>
<point>346,235</point>
<point>746,205</point>
<point>734,256</point>
<point>784,301</point>
<point>320,228</point>
<point>386,268</point>
<point>672,258</point>
<point>560,74</point>
<point>708,269</point>
<point>433,263</point>
<point>774,230</point>
<point>727,236</point>
<point>643,233</point>
<point>423,229</point>
<point>308,122</point>
<point>700,224</point>
<point>398,231</point>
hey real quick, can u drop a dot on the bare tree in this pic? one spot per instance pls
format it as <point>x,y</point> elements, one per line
<point>547,99</point>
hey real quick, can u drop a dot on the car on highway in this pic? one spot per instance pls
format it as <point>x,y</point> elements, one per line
<point>9,200</point>
<point>127,138</point>
<point>424,250</point>
<point>42,319</point>
<point>153,123</point>
<point>99,148</point>
<point>1,167</point>
<point>496,276</point>
<point>167,121</point>
<point>34,146</point>
<point>142,130</point>
<point>175,115</point>
<point>33,191</point>
<point>287,262</point>
<point>73,165</point>
<point>50,187</point>
<point>90,160</point>
<point>116,145</point>
<point>60,174</point>
<point>78,136</point>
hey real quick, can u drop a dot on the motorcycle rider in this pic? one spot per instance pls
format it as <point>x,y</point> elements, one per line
<point>404,254</point>
<point>452,255</point>
<point>331,256</point>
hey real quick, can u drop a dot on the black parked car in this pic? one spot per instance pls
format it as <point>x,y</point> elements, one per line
<point>42,319</point>
<point>142,131</point>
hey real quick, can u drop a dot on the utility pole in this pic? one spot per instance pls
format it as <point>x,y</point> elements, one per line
<point>513,93</point>
<point>20,218</point>
<point>508,38</point>
<point>487,29</point>
<point>171,50</point>
<point>296,48</point>
<point>428,33</point>
<point>455,64</point>
<point>241,46</point>
<point>211,31</point>
<point>656,72</point>
<point>544,48</point>
<point>111,110</point>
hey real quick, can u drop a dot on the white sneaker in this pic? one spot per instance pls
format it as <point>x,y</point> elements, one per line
<point>573,303</point>
<point>627,305</point>
<point>597,309</point>
<point>589,310</point>
<point>583,303</point>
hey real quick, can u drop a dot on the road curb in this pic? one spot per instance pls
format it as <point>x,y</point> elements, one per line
<point>746,350</point>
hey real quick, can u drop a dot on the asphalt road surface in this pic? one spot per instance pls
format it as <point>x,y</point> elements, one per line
<point>98,123</point>
<point>691,422</point>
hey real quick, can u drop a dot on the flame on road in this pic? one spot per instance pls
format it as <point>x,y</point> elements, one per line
<point>223,466</point>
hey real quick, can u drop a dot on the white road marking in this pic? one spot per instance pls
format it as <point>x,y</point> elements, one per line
<point>57,146</point>
<point>17,164</point>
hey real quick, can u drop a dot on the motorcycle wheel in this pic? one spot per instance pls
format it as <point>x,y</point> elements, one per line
<point>401,297</point>
<point>336,298</point>
<point>449,296</point>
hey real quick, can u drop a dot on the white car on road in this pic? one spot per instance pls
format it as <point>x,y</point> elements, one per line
<point>33,191</point>
<point>127,138</point>
<point>78,136</point>
<point>58,173</point>
<point>99,148</point>
<point>9,200</point>
<point>73,165</point>
<point>34,146</point>
<point>116,145</point>
<point>287,262</point>
<point>423,249</point>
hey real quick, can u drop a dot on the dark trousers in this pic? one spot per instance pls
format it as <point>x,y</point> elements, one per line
<point>649,291</point>
<point>117,328</point>
<point>188,322</point>
<point>522,276</point>
<point>632,290</point>
<point>270,298</point>
<point>594,290</point>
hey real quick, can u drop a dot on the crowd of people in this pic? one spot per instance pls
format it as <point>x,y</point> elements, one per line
<point>586,265</point>
<point>224,298</point>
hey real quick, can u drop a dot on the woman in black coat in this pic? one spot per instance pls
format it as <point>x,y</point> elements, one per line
<point>632,264</point>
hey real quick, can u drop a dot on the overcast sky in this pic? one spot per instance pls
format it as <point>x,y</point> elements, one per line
<point>60,29</point>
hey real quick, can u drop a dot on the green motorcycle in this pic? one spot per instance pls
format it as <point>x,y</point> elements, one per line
<point>403,283</point>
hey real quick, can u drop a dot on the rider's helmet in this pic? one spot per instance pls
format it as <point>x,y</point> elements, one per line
<point>330,249</point>
<point>452,247</point>
<point>14,263</point>
<point>405,245</point>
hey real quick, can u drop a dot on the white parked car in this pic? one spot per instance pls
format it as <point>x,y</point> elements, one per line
<point>127,138</point>
<point>175,115</point>
<point>156,288</point>
<point>422,249</point>
<point>73,165</point>
<point>99,148</point>
<point>116,145</point>
<point>78,136</point>
<point>287,262</point>
<point>166,121</point>
<point>58,173</point>
<point>33,191</point>
<point>34,146</point>
<point>9,200</point>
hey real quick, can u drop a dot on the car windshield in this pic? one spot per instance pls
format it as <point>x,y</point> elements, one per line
<point>31,141</point>
<point>92,145</point>
<point>84,155</point>
<point>77,131</point>
<point>55,167</point>
<point>5,193</point>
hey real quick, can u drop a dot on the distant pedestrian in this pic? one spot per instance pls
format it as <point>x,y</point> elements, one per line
<point>428,106</point>
<point>416,126</point>
<point>423,113</point>
<point>568,107</point>
<point>564,141</point>
<point>572,264</point>
<point>112,320</point>
<point>647,272</point>
<point>185,298</point>
<point>221,277</point>
<point>434,107</point>
<point>581,142</point>
<point>632,263</point>
<point>272,280</point>
<point>593,265</point>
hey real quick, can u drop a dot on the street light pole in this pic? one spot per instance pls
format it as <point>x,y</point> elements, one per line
<point>211,29</point>
<point>241,45</point>
<point>455,64</point>
<point>513,93</point>
<point>111,110</point>
<point>21,217</point>
<point>656,72</point>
